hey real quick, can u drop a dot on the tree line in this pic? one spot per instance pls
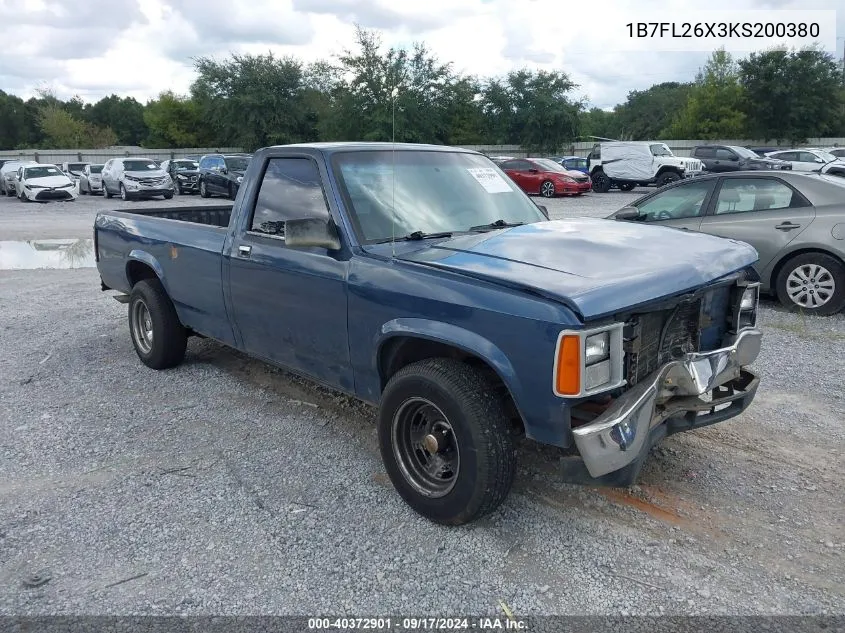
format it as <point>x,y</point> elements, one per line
<point>375,93</point>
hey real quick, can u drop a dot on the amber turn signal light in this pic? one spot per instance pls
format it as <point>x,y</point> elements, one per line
<point>568,365</point>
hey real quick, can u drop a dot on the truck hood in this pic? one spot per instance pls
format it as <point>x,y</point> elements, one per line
<point>595,267</point>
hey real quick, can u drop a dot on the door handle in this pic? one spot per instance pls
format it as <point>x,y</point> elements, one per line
<point>244,251</point>
<point>787,226</point>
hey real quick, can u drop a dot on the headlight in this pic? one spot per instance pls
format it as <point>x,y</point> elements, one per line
<point>596,348</point>
<point>745,314</point>
<point>240,179</point>
<point>181,176</point>
<point>749,299</point>
<point>588,361</point>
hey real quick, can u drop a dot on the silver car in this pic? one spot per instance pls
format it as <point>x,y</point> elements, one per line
<point>795,221</point>
<point>8,174</point>
<point>135,178</point>
<point>91,180</point>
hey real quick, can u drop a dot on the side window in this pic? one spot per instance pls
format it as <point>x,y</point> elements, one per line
<point>522,165</point>
<point>703,152</point>
<point>807,157</point>
<point>290,190</point>
<point>790,156</point>
<point>508,164</point>
<point>724,154</point>
<point>739,195</point>
<point>684,201</point>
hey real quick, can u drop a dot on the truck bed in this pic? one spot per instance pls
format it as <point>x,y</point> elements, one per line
<point>214,215</point>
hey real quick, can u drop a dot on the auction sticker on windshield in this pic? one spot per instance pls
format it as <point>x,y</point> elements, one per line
<point>489,179</point>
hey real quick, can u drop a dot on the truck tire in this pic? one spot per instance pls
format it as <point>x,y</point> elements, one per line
<point>667,177</point>
<point>445,408</point>
<point>601,182</point>
<point>812,278</point>
<point>159,338</point>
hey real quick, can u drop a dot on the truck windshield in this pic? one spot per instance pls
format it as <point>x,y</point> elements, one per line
<point>407,191</point>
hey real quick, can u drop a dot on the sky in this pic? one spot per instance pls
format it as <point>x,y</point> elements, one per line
<point>139,48</point>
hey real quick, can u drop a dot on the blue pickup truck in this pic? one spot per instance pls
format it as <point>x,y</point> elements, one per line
<point>422,280</point>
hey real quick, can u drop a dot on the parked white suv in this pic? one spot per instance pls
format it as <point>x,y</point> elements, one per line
<point>807,159</point>
<point>135,178</point>
<point>626,164</point>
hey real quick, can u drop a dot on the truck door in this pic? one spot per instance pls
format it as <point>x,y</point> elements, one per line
<point>289,304</point>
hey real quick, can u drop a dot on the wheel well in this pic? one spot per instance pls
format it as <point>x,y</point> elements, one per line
<point>401,351</point>
<point>804,251</point>
<point>137,271</point>
<point>666,168</point>
<point>596,170</point>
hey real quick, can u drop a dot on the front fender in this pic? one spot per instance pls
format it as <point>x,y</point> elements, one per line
<point>455,336</point>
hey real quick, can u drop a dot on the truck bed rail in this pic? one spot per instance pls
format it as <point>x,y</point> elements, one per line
<point>215,215</point>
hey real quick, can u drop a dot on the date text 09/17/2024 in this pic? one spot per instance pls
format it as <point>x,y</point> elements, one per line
<point>418,624</point>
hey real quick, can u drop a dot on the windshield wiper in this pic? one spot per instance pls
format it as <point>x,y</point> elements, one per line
<point>498,224</point>
<point>415,235</point>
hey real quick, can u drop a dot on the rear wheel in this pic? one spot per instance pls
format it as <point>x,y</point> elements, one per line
<point>547,189</point>
<point>168,196</point>
<point>627,186</point>
<point>601,182</point>
<point>157,335</point>
<point>445,440</point>
<point>812,282</point>
<point>667,177</point>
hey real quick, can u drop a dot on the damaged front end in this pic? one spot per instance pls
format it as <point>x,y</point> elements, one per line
<point>685,367</point>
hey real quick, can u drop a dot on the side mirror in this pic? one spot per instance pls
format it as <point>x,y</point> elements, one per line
<point>544,210</point>
<point>312,233</point>
<point>627,213</point>
<point>223,170</point>
<point>820,160</point>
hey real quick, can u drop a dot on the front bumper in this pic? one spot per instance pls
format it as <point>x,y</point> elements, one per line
<point>148,191</point>
<point>45,195</point>
<point>670,400</point>
<point>574,187</point>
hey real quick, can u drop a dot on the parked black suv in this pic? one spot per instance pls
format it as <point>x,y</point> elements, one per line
<point>185,174</point>
<point>221,174</point>
<point>719,158</point>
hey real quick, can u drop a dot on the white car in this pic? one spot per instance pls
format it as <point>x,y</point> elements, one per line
<point>807,159</point>
<point>43,182</point>
<point>8,172</point>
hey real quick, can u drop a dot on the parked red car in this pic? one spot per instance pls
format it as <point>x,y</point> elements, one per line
<point>545,177</point>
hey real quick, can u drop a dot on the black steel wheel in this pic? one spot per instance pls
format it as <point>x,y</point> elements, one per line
<point>446,441</point>
<point>601,182</point>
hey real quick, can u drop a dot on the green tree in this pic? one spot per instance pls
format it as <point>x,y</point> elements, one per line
<point>409,87</point>
<point>251,100</point>
<point>174,121</point>
<point>714,106</point>
<point>791,95</point>
<point>13,122</point>
<point>531,108</point>
<point>598,122</point>
<point>124,115</point>
<point>62,130</point>
<point>647,113</point>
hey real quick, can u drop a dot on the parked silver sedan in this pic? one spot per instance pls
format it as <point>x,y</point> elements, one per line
<point>795,221</point>
<point>91,180</point>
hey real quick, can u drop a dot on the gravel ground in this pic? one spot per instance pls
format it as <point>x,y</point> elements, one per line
<point>225,486</point>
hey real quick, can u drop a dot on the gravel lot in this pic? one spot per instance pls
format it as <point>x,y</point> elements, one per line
<point>225,486</point>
